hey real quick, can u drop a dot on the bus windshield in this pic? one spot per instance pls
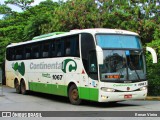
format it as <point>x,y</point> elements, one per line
<point>123,65</point>
<point>123,58</point>
<point>118,41</point>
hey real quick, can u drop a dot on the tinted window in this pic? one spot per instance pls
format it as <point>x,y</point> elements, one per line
<point>45,50</point>
<point>118,41</point>
<point>59,48</point>
<point>19,53</point>
<point>87,45</point>
<point>53,49</point>
<point>35,52</point>
<point>93,72</point>
<point>72,46</point>
<point>28,52</point>
<point>68,47</point>
<point>10,54</point>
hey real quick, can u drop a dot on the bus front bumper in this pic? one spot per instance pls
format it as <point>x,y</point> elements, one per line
<point>121,96</point>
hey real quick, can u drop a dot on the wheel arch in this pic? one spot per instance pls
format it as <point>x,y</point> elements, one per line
<point>69,85</point>
<point>15,81</point>
<point>25,81</point>
<point>22,79</point>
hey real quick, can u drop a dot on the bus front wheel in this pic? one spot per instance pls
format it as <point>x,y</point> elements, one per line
<point>73,95</point>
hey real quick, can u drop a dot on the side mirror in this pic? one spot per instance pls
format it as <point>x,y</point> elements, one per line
<point>153,53</point>
<point>99,52</point>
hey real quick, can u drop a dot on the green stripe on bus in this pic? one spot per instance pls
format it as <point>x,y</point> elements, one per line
<point>88,93</point>
<point>84,92</point>
<point>48,88</point>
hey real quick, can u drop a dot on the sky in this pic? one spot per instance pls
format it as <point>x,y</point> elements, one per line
<point>17,9</point>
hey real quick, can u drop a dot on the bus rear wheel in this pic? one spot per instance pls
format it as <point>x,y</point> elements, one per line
<point>23,87</point>
<point>74,96</point>
<point>17,86</point>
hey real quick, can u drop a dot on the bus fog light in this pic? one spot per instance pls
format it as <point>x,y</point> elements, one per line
<point>104,97</point>
<point>107,89</point>
<point>143,88</point>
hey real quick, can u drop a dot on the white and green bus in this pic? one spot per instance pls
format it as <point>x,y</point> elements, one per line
<point>103,65</point>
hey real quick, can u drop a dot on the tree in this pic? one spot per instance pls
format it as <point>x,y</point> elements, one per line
<point>77,14</point>
<point>153,70</point>
<point>40,19</point>
<point>4,9</point>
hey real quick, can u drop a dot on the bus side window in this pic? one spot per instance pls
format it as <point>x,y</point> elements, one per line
<point>92,62</point>
<point>67,48</point>
<point>87,44</point>
<point>93,65</point>
<point>60,48</point>
<point>45,50</point>
<point>75,46</point>
<point>28,52</point>
<point>19,53</point>
<point>53,50</point>
<point>89,57</point>
<point>77,49</point>
<point>10,54</point>
<point>72,46</point>
<point>36,52</point>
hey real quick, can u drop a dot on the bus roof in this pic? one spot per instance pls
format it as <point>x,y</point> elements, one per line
<point>47,35</point>
<point>73,32</point>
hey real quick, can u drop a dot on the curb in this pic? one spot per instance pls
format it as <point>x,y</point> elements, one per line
<point>153,98</point>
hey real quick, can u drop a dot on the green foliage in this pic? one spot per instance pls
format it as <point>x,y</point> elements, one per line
<point>4,9</point>
<point>78,15</point>
<point>141,16</point>
<point>40,22</point>
<point>153,70</point>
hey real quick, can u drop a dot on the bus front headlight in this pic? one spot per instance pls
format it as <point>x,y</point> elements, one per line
<point>143,88</point>
<point>107,89</point>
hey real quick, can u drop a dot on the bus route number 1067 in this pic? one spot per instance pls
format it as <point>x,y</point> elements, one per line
<point>57,77</point>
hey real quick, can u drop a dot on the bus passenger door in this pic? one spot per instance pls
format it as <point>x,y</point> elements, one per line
<point>84,89</point>
<point>93,76</point>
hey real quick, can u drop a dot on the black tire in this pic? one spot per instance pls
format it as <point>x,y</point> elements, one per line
<point>113,102</point>
<point>17,86</point>
<point>74,95</point>
<point>23,87</point>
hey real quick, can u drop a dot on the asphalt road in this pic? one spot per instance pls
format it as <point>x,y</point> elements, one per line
<point>11,101</point>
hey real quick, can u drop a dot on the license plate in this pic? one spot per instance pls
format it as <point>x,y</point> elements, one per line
<point>127,96</point>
